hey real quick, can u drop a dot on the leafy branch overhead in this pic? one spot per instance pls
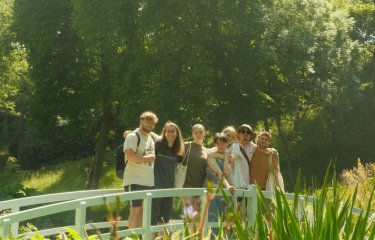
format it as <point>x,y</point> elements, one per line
<point>75,70</point>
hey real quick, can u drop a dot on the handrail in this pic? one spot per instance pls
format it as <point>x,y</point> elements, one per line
<point>79,201</point>
<point>14,205</point>
<point>80,205</point>
<point>53,197</point>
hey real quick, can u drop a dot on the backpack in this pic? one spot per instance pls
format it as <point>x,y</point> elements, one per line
<point>120,158</point>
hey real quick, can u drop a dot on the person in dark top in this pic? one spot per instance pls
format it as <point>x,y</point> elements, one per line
<point>169,151</point>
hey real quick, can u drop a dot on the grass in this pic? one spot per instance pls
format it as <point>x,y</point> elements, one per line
<point>64,177</point>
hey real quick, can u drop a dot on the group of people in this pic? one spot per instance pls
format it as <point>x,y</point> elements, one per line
<point>239,158</point>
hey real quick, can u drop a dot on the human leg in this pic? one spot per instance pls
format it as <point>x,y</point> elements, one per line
<point>135,217</point>
<point>136,206</point>
<point>155,214</point>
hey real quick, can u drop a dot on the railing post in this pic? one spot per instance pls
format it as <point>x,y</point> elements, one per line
<point>146,221</point>
<point>204,212</point>
<point>4,228</point>
<point>252,206</point>
<point>14,226</point>
<point>80,218</point>
<point>301,205</point>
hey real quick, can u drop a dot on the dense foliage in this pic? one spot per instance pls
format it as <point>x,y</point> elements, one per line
<point>76,71</point>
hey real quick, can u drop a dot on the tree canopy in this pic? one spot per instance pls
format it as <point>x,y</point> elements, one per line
<point>304,70</point>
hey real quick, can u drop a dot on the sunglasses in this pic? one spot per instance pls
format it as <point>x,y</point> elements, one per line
<point>246,132</point>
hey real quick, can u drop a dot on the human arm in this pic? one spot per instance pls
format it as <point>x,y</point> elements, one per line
<point>155,137</point>
<point>226,184</point>
<point>227,170</point>
<point>214,167</point>
<point>275,159</point>
<point>233,157</point>
<point>131,144</point>
<point>133,157</point>
<point>212,153</point>
<point>180,158</point>
<point>126,132</point>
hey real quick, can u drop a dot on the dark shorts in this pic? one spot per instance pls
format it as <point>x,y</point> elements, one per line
<point>133,188</point>
<point>161,210</point>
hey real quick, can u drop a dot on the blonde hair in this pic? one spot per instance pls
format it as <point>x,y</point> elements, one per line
<point>229,129</point>
<point>149,116</point>
<point>198,126</point>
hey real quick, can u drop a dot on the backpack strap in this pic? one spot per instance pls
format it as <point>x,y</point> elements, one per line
<point>138,140</point>
<point>245,155</point>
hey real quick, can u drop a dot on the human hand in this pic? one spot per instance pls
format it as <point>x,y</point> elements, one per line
<point>126,132</point>
<point>231,189</point>
<point>149,158</point>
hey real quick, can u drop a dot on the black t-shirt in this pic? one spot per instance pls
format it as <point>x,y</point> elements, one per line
<point>165,165</point>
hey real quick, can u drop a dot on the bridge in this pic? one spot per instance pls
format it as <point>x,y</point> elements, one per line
<point>79,201</point>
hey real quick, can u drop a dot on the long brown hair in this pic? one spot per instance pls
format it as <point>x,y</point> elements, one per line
<point>178,145</point>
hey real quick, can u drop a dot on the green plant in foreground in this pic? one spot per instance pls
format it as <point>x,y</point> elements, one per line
<point>328,217</point>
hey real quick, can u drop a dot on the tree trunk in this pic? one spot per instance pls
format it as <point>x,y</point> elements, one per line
<point>101,145</point>
<point>5,127</point>
<point>105,127</point>
<point>284,145</point>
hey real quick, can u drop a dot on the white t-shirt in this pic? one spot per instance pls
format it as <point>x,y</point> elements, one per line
<point>234,148</point>
<point>236,178</point>
<point>139,173</point>
<point>249,149</point>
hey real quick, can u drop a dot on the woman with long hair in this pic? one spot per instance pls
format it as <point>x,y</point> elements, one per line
<point>169,151</point>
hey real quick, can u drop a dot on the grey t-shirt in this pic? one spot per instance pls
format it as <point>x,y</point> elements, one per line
<point>197,165</point>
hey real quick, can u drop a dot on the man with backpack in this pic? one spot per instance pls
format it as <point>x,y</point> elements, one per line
<point>139,171</point>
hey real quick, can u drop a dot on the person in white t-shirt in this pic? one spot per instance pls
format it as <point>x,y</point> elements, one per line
<point>232,157</point>
<point>139,171</point>
<point>246,138</point>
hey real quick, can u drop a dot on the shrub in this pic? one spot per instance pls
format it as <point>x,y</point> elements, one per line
<point>15,190</point>
<point>363,177</point>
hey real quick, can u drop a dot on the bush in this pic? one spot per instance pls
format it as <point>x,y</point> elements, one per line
<point>16,190</point>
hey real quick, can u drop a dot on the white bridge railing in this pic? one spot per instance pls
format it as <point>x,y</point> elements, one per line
<point>81,200</point>
<point>14,206</point>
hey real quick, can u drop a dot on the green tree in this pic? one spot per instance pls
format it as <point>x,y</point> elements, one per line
<point>13,66</point>
<point>281,65</point>
<point>305,65</point>
<point>109,32</point>
<point>56,126</point>
<point>204,59</point>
